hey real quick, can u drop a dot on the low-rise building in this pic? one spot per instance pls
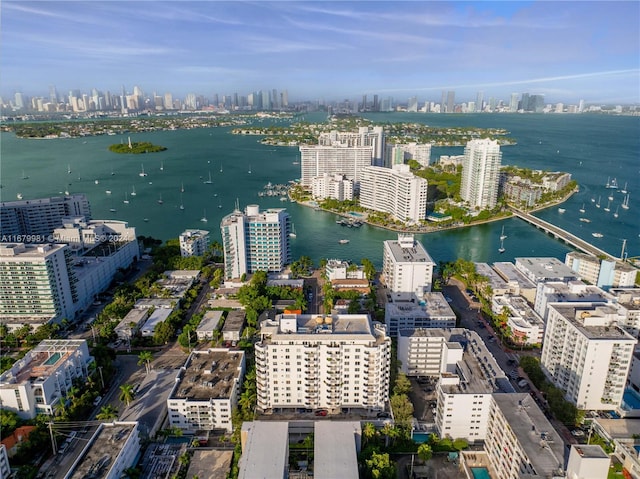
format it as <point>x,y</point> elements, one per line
<point>233,326</point>
<point>209,324</point>
<point>518,283</point>
<point>194,242</point>
<point>130,325</point>
<point>177,283</point>
<point>545,269</point>
<point>498,285</point>
<point>588,462</point>
<point>432,311</point>
<point>206,390</point>
<point>265,450</point>
<point>156,317</point>
<point>567,292</point>
<point>628,302</point>
<point>604,273</point>
<point>113,448</point>
<point>339,269</point>
<point>36,383</point>
<point>359,285</point>
<point>526,326</point>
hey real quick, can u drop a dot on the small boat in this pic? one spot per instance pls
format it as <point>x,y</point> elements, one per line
<point>204,217</point>
<point>133,191</point>
<point>582,210</point>
<point>343,241</point>
<point>624,190</point>
<point>113,210</point>
<point>112,172</point>
<point>598,203</point>
<point>107,192</point>
<point>614,184</point>
<point>24,175</point>
<point>142,173</point>
<point>585,220</point>
<point>561,210</point>
<point>19,196</point>
<point>160,199</point>
<point>209,181</point>
<point>608,207</point>
<point>161,166</point>
<point>625,203</point>
<point>615,215</point>
<point>220,168</point>
<point>597,235</point>
<point>181,203</point>
<point>146,220</point>
<point>96,182</point>
<point>501,249</point>
<point>502,235</point>
<point>249,169</point>
<point>219,204</point>
<point>126,198</point>
<point>593,200</point>
<point>66,192</point>
<point>292,234</point>
<point>69,169</point>
<point>181,187</point>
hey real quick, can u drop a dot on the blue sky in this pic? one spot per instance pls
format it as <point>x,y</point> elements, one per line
<point>329,50</point>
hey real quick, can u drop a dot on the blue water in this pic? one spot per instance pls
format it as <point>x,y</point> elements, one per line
<point>480,473</point>
<point>590,147</point>
<point>420,437</point>
<point>631,399</point>
<point>52,359</point>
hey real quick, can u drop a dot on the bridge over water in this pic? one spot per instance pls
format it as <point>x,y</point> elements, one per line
<point>562,235</point>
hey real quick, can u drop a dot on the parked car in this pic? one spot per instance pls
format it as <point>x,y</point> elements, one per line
<point>577,433</point>
<point>322,412</point>
<point>383,415</point>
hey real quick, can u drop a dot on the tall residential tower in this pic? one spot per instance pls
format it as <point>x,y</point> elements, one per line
<point>481,173</point>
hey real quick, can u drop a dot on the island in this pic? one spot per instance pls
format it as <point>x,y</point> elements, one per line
<point>136,147</point>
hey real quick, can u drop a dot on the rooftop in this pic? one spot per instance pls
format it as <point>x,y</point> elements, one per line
<point>537,437</point>
<point>234,321</point>
<point>404,250</point>
<point>546,268</point>
<point>495,280</point>
<point>586,450</point>
<point>511,274</point>
<point>264,449</point>
<point>210,320</point>
<point>102,450</point>
<point>210,464</point>
<point>576,291</point>
<point>208,375</point>
<point>594,321</point>
<point>433,305</point>
<point>335,449</point>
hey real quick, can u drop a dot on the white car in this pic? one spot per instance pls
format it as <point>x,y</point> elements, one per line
<point>577,433</point>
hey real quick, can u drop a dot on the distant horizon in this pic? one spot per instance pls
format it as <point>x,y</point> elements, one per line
<point>331,51</point>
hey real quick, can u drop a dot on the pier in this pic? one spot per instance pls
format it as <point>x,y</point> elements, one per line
<point>562,235</point>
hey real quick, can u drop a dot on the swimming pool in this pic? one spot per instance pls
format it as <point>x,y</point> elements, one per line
<point>480,473</point>
<point>630,399</point>
<point>420,437</point>
<point>52,359</point>
<point>357,215</point>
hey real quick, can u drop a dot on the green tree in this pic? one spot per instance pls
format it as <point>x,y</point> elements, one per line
<point>379,466</point>
<point>163,332</point>
<point>369,269</point>
<point>402,411</point>
<point>9,421</point>
<point>425,453</point>
<point>145,357</point>
<point>402,384</point>
<point>368,432</point>
<point>126,394</point>
<point>107,413</point>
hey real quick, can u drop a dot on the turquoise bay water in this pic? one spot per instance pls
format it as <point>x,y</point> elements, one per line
<point>590,147</point>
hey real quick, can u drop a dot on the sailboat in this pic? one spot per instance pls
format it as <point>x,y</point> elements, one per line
<point>133,190</point>
<point>112,172</point>
<point>598,203</point>
<point>501,249</point>
<point>625,203</point>
<point>112,209</point>
<point>220,167</point>
<point>160,199</point>
<point>502,235</point>
<point>607,209</point>
<point>624,190</point>
<point>582,210</point>
<point>24,175</point>
<point>69,169</point>
<point>219,203</point>
<point>181,202</point>
<point>610,197</point>
<point>208,182</point>
<point>615,215</point>
<point>181,187</point>
<point>292,234</point>
<point>142,173</point>
<point>249,169</point>
<point>161,166</point>
<point>126,198</point>
<point>204,217</point>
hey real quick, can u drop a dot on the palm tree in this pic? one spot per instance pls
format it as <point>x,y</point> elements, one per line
<point>126,394</point>
<point>424,452</point>
<point>145,357</point>
<point>107,413</point>
<point>368,432</point>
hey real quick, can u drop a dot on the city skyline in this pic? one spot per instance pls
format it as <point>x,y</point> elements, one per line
<point>327,50</point>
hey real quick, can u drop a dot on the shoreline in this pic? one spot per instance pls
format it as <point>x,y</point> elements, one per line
<point>431,229</point>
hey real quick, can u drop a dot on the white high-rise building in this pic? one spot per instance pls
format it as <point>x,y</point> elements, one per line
<point>481,173</point>
<point>255,241</point>
<point>332,186</point>
<point>396,191</point>
<point>36,383</point>
<point>332,362</point>
<point>39,217</point>
<point>316,160</point>
<point>406,266</point>
<point>586,354</point>
<point>366,136</point>
<point>194,242</point>
<point>37,284</point>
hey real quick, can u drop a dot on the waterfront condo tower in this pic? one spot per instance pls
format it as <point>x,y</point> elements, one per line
<point>481,173</point>
<point>255,241</point>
